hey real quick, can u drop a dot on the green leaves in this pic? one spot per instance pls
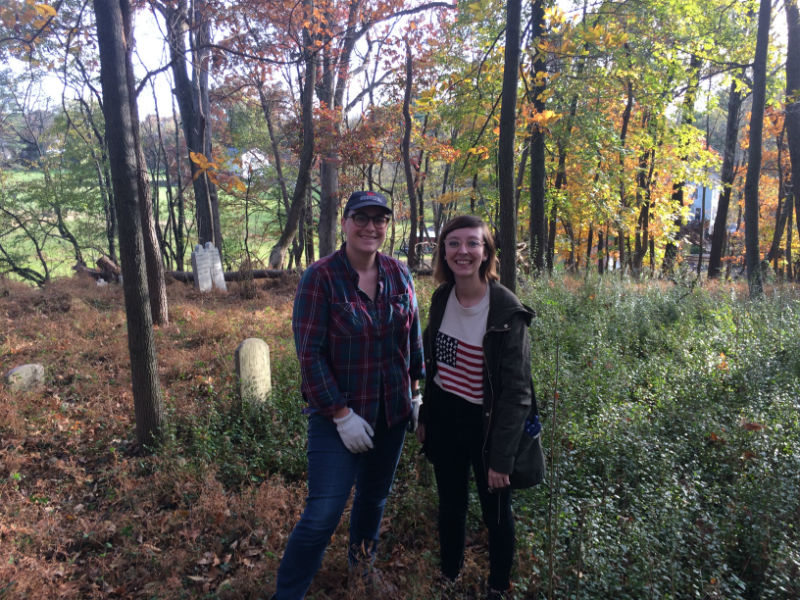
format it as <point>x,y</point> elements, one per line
<point>678,434</point>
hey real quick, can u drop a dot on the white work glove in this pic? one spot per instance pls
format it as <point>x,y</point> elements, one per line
<point>355,432</point>
<point>416,402</point>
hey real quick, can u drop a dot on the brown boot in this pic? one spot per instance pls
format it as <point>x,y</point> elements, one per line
<point>368,583</point>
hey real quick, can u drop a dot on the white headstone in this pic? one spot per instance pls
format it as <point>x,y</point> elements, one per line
<point>215,264</point>
<point>201,269</point>
<point>253,369</point>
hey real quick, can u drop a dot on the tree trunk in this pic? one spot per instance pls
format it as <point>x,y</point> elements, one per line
<point>783,209</point>
<point>278,251</point>
<point>644,179</point>
<point>335,74</point>
<point>600,248</point>
<point>113,33</point>
<point>413,260</point>
<point>193,104</point>
<point>538,226</point>
<point>623,197</point>
<point>505,151</point>
<point>728,174</point>
<point>752,253</point>
<point>178,226</point>
<point>793,101</point>
<point>266,109</point>
<point>789,266</point>
<point>687,116</point>
<point>156,284</point>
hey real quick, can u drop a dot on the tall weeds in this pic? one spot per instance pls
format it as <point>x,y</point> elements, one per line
<point>678,441</point>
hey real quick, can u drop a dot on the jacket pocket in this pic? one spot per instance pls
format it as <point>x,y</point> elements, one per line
<point>529,466</point>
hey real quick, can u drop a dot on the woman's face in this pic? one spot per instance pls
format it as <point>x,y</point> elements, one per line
<point>465,251</point>
<point>368,237</point>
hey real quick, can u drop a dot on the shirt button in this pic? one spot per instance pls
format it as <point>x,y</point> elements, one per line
<point>505,326</point>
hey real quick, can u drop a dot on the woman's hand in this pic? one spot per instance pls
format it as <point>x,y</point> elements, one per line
<point>497,480</point>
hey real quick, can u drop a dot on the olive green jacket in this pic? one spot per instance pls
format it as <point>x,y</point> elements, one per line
<point>508,395</point>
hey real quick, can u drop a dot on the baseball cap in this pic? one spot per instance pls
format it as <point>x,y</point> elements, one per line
<point>363,199</point>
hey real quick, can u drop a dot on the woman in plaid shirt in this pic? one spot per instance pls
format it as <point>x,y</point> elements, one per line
<point>359,342</point>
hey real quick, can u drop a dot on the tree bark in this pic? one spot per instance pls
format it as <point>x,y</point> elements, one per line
<point>793,101</point>
<point>538,226</point>
<point>505,151</point>
<point>687,116</point>
<point>405,150</point>
<point>752,253</point>
<point>623,197</point>
<point>644,179</point>
<point>154,266</point>
<point>114,48</point>
<point>783,209</point>
<point>335,75</point>
<point>266,109</point>
<point>728,174</point>
<point>278,251</point>
<point>193,104</point>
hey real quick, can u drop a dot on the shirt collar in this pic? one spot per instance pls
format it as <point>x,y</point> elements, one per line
<point>354,274</point>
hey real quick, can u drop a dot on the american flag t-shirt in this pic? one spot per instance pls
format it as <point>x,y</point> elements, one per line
<point>458,348</point>
<point>460,367</point>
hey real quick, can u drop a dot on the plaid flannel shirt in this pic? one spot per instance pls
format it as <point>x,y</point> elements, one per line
<point>354,351</point>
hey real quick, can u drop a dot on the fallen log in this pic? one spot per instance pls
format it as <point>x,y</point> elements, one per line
<point>188,276</point>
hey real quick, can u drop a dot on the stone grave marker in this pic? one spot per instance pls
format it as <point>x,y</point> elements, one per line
<point>215,264</point>
<point>253,370</point>
<point>201,268</point>
<point>25,377</point>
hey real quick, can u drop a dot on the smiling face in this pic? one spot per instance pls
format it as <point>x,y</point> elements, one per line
<point>465,252</point>
<point>366,238</point>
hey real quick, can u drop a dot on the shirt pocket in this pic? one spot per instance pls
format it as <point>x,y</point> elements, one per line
<point>400,314</point>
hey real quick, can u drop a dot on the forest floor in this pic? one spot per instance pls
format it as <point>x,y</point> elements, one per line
<point>84,514</point>
<point>672,424</point>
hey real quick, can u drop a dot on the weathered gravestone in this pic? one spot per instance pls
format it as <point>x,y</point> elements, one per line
<point>25,377</point>
<point>253,370</point>
<point>207,268</point>
<point>202,269</point>
<point>217,274</point>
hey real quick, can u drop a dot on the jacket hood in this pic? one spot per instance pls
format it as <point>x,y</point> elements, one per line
<point>506,305</point>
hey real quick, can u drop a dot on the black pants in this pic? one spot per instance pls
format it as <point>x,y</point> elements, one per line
<point>458,425</point>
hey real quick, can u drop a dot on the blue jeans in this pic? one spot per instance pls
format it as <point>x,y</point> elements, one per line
<point>332,470</point>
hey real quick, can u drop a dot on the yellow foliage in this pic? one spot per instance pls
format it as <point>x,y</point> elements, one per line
<point>546,117</point>
<point>45,10</point>
<point>481,152</point>
<point>201,161</point>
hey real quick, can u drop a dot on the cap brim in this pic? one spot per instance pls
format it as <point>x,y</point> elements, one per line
<point>368,204</point>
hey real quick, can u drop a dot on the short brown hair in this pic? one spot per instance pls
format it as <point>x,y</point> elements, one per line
<point>488,271</point>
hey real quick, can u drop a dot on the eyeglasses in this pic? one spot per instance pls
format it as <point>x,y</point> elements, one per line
<point>456,244</point>
<point>361,220</point>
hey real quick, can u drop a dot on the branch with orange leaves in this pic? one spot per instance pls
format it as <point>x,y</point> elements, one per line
<point>205,167</point>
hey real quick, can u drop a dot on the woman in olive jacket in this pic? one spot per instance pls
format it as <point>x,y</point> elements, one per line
<point>478,395</point>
